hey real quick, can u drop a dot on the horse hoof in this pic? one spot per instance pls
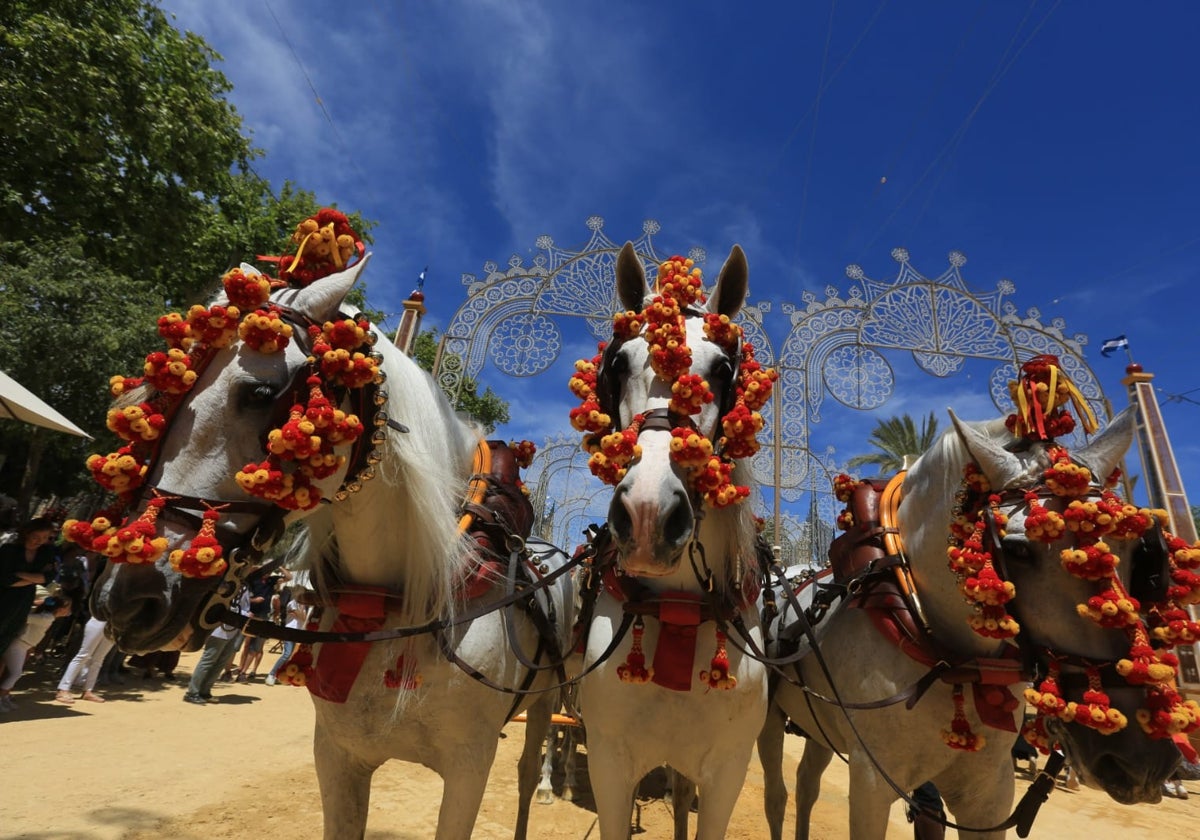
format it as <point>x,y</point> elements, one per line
<point>545,797</point>
<point>568,794</point>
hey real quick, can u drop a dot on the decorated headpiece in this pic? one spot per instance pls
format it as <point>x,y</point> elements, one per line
<point>1093,518</point>
<point>299,452</point>
<point>1092,525</point>
<point>1041,394</point>
<point>662,325</point>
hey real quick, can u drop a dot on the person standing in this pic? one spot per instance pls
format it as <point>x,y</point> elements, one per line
<point>296,615</point>
<point>39,621</point>
<point>219,650</point>
<point>261,583</point>
<point>25,563</point>
<point>92,651</point>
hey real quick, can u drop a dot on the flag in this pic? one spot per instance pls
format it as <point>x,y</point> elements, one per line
<point>421,278</point>
<point>1111,345</point>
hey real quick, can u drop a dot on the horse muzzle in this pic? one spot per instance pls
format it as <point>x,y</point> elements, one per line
<point>1127,765</point>
<point>650,533</point>
<point>148,610</point>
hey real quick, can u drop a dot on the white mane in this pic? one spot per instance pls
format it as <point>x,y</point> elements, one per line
<point>404,533</point>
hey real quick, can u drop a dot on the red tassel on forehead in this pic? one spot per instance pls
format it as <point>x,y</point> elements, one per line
<point>1096,710</point>
<point>137,541</point>
<point>1047,698</point>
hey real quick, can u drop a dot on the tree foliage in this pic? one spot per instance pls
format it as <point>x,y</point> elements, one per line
<point>115,128</point>
<point>487,409</point>
<point>126,190</point>
<point>895,438</point>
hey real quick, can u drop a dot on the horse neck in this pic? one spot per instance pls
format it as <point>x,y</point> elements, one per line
<point>930,490</point>
<point>401,530</point>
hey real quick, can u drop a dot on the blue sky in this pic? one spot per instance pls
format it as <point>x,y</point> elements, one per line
<point>1054,143</point>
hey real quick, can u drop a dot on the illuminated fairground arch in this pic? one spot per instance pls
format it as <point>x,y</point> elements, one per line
<point>836,352</point>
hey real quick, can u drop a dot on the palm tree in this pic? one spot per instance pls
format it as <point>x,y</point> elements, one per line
<point>896,438</point>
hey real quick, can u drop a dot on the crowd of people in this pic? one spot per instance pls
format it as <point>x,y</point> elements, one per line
<point>44,617</point>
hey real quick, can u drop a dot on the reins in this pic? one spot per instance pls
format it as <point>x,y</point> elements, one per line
<point>888,563</point>
<point>224,614</point>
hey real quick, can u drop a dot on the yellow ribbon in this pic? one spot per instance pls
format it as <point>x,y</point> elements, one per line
<point>337,254</point>
<point>1022,426</point>
<point>1086,417</point>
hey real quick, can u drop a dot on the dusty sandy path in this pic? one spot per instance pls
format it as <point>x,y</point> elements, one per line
<point>146,765</point>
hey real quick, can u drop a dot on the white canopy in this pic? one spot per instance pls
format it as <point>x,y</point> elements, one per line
<point>19,403</point>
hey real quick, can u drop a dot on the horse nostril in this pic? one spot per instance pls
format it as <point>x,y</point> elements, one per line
<point>677,524</point>
<point>145,613</point>
<point>619,519</point>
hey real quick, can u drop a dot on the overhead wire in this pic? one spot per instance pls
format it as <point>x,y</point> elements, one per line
<point>812,137</point>
<point>942,157</point>
<point>343,148</point>
<point>821,88</point>
<point>921,113</point>
<point>1001,71</point>
<point>1187,243</point>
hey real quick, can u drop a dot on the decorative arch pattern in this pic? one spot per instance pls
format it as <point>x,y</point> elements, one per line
<point>843,347</point>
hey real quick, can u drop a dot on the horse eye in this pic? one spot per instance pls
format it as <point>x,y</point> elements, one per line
<point>620,365</point>
<point>1017,549</point>
<point>721,374</point>
<point>255,396</point>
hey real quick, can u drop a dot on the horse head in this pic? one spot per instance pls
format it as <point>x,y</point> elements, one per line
<point>654,511</point>
<point>212,433</point>
<point>1071,550</point>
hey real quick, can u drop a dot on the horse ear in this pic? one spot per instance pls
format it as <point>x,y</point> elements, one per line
<point>631,278</point>
<point>999,465</point>
<point>1104,452</point>
<point>321,300</point>
<point>730,292</point>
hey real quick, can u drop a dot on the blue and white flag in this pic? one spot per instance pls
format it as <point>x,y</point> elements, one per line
<point>1111,345</point>
<point>421,278</point>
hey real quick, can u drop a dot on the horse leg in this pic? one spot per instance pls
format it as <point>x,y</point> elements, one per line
<point>345,784</point>
<point>545,788</point>
<point>816,758</point>
<point>870,799</point>
<point>683,794</point>
<point>721,788</point>
<point>463,785</point>
<point>568,754</point>
<point>975,801</point>
<point>537,724</point>
<point>572,737</point>
<point>770,755</point>
<point>614,778</point>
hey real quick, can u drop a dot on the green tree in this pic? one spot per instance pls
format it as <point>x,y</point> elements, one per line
<point>115,127</point>
<point>895,438</point>
<point>126,190</point>
<point>69,323</point>
<point>486,409</point>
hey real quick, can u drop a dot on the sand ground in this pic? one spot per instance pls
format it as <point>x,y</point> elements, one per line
<point>146,765</point>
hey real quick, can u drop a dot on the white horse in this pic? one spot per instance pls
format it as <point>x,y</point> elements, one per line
<point>864,667</point>
<point>665,543</point>
<point>393,546</point>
